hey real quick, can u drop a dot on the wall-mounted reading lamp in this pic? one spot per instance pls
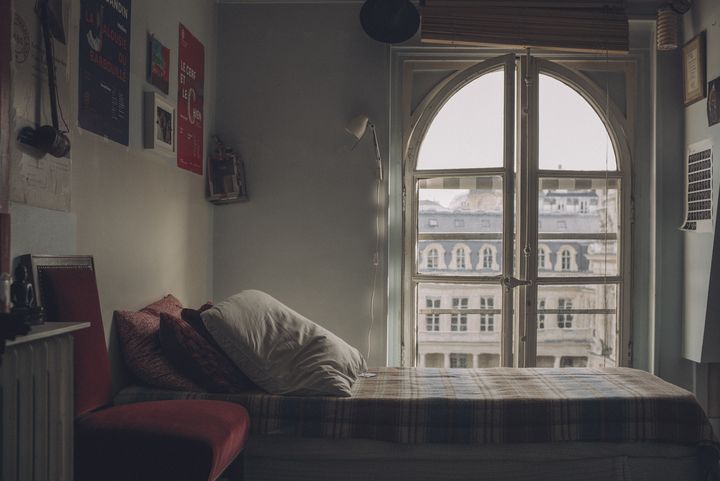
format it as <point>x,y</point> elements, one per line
<point>357,127</point>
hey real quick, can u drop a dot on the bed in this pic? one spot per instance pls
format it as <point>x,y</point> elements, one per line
<point>498,424</point>
<point>480,424</point>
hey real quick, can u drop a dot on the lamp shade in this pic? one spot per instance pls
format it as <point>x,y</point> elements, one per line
<point>357,126</point>
<point>389,21</point>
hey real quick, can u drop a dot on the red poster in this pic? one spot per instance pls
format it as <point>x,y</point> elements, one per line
<point>191,68</point>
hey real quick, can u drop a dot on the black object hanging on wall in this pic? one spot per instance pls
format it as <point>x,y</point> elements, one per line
<point>389,21</point>
<point>47,138</point>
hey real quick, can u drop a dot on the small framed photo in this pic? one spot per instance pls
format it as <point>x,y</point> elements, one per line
<point>713,102</point>
<point>159,131</point>
<point>693,60</point>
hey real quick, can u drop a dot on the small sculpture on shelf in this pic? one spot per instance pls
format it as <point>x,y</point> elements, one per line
<point>23,299</point>
<point>22,293</point>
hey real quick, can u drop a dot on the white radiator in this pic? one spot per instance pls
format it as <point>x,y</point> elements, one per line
<point>36,399</point>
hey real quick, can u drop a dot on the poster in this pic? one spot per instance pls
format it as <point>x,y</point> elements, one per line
<point>158,64</point>
<point>191,72</point>
<point>713,102</point>
<point>104,64</point>
<point>699,188</point>
<point>39,180</point>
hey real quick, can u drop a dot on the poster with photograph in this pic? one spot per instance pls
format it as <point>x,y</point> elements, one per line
<point>698,188</point>
<point>158,64</point>
<point>191,72</point>
<point>104,64</point>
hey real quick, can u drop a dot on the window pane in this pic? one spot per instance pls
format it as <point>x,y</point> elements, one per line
<point>469,325</point>
<point>572,135</point>
<point>460,226</point>
<point>467,132</point>
<point>580,325</point>
<point>578,227</point>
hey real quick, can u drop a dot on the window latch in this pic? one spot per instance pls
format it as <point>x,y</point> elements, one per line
<point>510,282</point>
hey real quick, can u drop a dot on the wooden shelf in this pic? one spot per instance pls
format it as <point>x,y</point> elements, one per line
<point>49,329</point>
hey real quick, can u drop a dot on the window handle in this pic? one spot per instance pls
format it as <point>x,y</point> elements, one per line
<point>511,282</point>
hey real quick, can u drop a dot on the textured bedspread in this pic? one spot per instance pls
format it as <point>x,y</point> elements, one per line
<point>500,405</point>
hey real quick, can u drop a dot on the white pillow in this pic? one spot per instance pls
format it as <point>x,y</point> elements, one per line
<point>280,350</point>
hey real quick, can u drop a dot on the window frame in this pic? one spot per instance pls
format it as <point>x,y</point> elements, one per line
<point>462,67</point>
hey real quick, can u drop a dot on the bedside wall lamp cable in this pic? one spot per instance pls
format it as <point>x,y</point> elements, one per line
<point>357,127</point>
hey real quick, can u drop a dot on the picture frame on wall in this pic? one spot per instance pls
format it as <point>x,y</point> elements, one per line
<point>158,64</point>
<point>694,79</point>
<point>159,124</point>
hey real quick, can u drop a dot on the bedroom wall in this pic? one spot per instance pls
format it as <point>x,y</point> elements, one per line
<point>291,77</point>
<point>145,220</point>
<point>704,16</point>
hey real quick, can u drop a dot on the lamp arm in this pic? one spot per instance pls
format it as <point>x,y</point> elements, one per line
<point>377,153</point>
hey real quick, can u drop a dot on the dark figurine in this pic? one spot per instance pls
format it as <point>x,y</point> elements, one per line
<point>22,293</point>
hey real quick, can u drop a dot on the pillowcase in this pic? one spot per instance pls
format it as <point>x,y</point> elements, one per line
<point>138,334</point>
<point>198,359</point>
<point>280,350</point>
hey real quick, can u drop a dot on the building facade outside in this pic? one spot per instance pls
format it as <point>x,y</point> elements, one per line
<point>459,325</point>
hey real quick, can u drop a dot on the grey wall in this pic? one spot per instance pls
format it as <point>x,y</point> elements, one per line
<point>667,192</point>
<point>703,16</point>
<point>145,221</point>
<point>290,78</point>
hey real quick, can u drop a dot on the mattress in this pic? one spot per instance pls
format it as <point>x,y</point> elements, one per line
<point>479,406</point>
<point>282,458</point>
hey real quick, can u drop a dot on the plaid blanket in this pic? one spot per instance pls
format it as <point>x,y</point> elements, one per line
<point>499,405</point>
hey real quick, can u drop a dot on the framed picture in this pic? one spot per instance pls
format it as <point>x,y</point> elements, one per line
<point>159,131</point>
<point>713,102</point>
<point>158,68</point>
<point>693,59</point>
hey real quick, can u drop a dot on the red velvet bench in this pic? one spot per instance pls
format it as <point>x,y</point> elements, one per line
<point>154,441</point>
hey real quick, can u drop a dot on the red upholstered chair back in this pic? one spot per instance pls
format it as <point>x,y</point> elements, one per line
<point>68,292</point>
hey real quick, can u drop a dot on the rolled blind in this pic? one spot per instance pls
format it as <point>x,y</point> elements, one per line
<point>585,25</point>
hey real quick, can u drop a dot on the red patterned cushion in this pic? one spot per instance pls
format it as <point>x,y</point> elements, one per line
<point>167,305</point>
<point>198,359</point>
<point>139,337</point>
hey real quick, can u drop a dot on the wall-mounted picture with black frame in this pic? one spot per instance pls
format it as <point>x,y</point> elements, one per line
<point>693,60</point>
<point>226,175</point>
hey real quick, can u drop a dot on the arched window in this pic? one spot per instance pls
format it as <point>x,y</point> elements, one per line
<point>487,257</point>
<point>543,255</point>
<point>553,219</point>
<point>460,258</point>
<point>432,259</point>
<point>565,260</point>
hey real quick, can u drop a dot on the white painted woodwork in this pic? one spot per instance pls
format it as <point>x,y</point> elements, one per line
<point>36,402</point>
